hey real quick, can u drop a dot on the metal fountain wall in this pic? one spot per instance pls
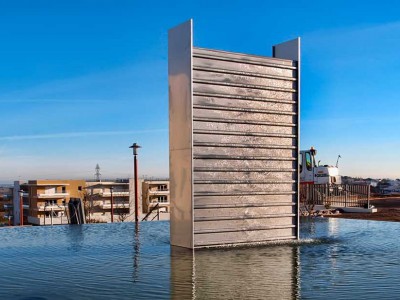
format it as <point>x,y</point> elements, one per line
<point>234,138</point>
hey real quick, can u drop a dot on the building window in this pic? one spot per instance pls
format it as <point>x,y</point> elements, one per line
<point>63,189</point>
<point>79,188</point>
<point>308,161</point>
<point>162,187</point>
<point>162,199</point>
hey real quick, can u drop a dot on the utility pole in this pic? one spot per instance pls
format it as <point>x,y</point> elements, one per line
<point>21,208</point>
<point>97,174</point>
<point>112,205</point>
<point>135,174</point>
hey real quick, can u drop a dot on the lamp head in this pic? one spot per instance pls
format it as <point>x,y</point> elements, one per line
<point>134,147</point>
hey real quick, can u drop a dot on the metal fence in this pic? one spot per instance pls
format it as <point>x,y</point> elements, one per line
<point>335,195</point>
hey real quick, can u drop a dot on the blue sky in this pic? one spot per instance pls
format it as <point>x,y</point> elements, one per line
<point>80,81</point>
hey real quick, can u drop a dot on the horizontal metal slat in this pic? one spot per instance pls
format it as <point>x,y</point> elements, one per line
<point>213,244</point>
<point>243,91</point>
<point>247,175</point>
<point>249,122</point>
<point>243,58</point>
<point>201,76</point>
<point>238,97</point>
<point>270,105</point>
<point>201,219</point>
<point>205,169</point>
<point>250,228</point>
<point>243,73</point>
<point>247,86</point>
<point>235,205</point>
<point>246,193</point>
<point>237,157</point>
<point>246,110</point>
<point>243,133</point>
<point>237,145</point>
<point>223,181</point>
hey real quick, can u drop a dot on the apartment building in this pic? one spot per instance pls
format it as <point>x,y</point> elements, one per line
<point>156,192</point>
<point>111,201</point>
<point>6,204</point>
<point>45,202</point>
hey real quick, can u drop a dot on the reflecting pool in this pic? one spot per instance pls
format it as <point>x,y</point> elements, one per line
<point>336,258</point>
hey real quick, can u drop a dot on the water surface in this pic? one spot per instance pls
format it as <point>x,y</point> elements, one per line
<point>336,258</point>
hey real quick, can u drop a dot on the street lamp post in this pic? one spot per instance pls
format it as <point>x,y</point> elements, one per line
<point>21,208</point>
<point>112,205</point>
<point>135,174</point>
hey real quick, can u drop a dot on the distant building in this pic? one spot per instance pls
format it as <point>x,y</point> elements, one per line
<point>45,201</point>
<point>6,204</point>
<point>156,192</point>
<point>98,201</point>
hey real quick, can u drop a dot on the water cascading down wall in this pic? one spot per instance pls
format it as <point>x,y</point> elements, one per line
<point>234,138</point>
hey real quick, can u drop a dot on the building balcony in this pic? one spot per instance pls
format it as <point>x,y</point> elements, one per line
<point>159,192</point>
<point>51,208</point>
<point>52,195</point>
<point>115,194</point>
<point>160,204</point>
<point>48,220</point>
<point>115,205</point>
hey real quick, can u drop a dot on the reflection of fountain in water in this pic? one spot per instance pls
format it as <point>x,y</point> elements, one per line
<point>76,237</point>
<point>270,272</point>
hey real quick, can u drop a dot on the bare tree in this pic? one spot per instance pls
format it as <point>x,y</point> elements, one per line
<point>123,210</point>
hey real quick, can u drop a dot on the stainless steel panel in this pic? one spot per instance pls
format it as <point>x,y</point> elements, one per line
<point>241,212</point>
<point>249,174</point>
<point>245,103</point>
<point>240,224</point>
<point>244,200</point>
<point>201,63</point>
<point>219,125</point>
<point>265,92</point>
<point>239,186</point>
<point>248,237</point>
<point>240,79</point>
<point>242,57</point>
<point>180,138</point>
<point>234,113</point>
<point>257,164</point>
<point>291,50</point>
<point>288,50</point>
<point>236,137</point>
<point>232,151</point>
<point>234,144</point>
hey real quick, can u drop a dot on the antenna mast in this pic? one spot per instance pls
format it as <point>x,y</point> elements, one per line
<point>97,174</point>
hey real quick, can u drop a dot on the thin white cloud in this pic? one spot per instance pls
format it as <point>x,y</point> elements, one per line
<point>43,100</point>
<point>93,85</point>
<point>369,31</point>
<point>77,134</point>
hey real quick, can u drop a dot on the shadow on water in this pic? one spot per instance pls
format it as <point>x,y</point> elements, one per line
<point>268,272</point>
